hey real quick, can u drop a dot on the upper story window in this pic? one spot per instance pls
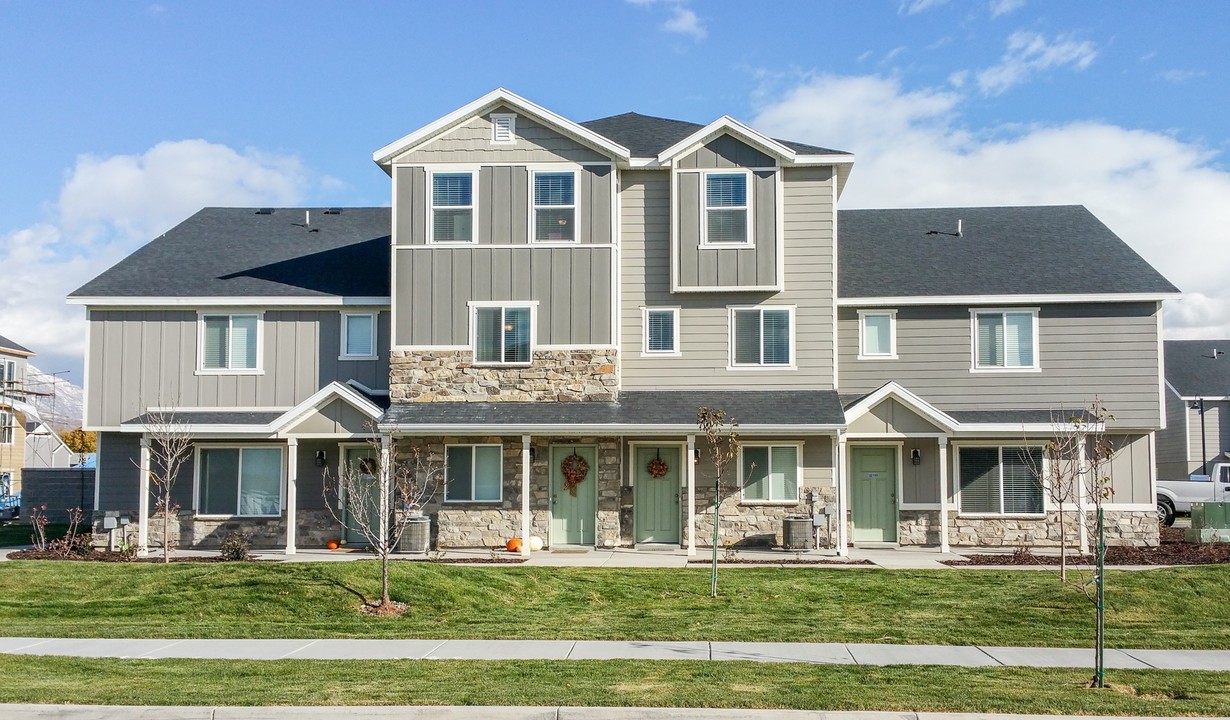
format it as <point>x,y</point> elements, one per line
<point>555,208</point>
<point>770,473</point>
<point>1005,339</point>
<point>662,331</point>
<point>6,427</point>
<point>503,128</point>
<point>1000,480</point>
<point>877,334</point>
<point>762,336</point>
<point>230,343</point>
<point>474,472</point>
<point>452,207</point>
<point>502,335</point>
<point>726,209</point>
<point>358,336</point>
<point>239,481</point>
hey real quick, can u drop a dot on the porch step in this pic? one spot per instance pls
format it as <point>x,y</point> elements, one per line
<point>571,549</point>
<point>656,547</point>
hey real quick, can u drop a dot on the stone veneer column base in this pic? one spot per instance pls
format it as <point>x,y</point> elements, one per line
<point>1123,527</point>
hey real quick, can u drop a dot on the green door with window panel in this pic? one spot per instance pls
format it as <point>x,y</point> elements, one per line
<point>655,503</point>
<point>873,493</point>
<point>573,516</point>
<point>361,460</point>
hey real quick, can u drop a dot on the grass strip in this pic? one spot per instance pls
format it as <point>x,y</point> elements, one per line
<point>678,683</point>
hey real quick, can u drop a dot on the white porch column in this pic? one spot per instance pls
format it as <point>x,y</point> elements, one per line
<point>143,500</point>
<point>943,494</point>
<point>843,544</point>
<point>386,468</point>
<point>292,492</point>
<point>691,463</point>
<point>525,495</point>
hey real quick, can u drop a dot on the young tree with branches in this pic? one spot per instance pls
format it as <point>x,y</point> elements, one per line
<point>170,446</point>
<point>722,442</point>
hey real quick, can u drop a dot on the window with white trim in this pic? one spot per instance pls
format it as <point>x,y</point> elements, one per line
<point>452,207</point>
<point>1005,339</point>
<point>358,336</point>
<point>502,335</point>
<point>761,336</point>
<point>770,473</point>
<point>230,342</point>
<point>503,128</point>
<point>662,330</point>
<point>7,423</point>
<point>475,473</point>
<point>1000,480</point>
<point>555,208</point>
<point>726,209</point>
<point>877,331</point>
<point>240,481</point>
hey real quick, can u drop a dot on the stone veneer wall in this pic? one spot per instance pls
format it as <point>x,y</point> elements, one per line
<point>316,527</point>
<point>753,524</point>
<point>451,376</point>
<point>1123,527</point>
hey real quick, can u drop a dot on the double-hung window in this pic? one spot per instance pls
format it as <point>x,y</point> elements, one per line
<point>6,427</point>
<point>358,336</point>
<point>761,336</point>
<point>726,209</point>
<point>770,472</point>
<point>1005,340</point>
<point>662,331</point>
<point>239,481</point>
<point>502,335</point>
<point>474,472</point>
<point>555,207</point>
<point>877,334</point>
<point>230,343</point>
<point>452,207</point>
<point>1000,480</point>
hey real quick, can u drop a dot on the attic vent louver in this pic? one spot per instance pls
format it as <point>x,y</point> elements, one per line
<point>265,211</point>
<point>333,211</point>
<point>503,128</point>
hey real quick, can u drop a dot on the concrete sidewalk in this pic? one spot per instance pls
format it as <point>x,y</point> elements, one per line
<point>812,653</point>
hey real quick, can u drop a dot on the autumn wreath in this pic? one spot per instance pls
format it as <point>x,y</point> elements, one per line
<point>657,468</point>
<point>575,468</point>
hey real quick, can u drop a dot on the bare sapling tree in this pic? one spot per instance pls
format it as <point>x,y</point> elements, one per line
<point>722,442</point>
<point>1058,471</point>
<point>170,446</point>
<point>378,496</point>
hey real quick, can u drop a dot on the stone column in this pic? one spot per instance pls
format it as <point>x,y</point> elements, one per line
<point>943,459</point>
<point>691,462</point>
<point>843,502</point>
<point>525,495</point>
<point>143,500</point>
<point>292,492</point>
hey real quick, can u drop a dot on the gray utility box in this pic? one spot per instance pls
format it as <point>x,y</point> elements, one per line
<point>797,532</point>
<point>417,537</point>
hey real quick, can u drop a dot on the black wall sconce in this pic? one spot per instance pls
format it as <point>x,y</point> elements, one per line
<point>533,454</point>
<point>916,456</point>
<point>320,458</point>
<point>696,455</point>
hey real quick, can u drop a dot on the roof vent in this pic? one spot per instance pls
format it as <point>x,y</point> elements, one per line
<point>265,211</point>
<point>333,211</point>
<point>957,234</point>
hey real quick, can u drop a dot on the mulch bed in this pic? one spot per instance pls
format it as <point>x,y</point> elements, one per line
<point>783,561</point>
<point>479,561</point>
<point>1174,550</point>
<point>113,557</point>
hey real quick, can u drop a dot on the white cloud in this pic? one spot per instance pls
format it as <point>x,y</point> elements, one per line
<point>1180,76</point>
<point>685,22</point>
<point>1164,197</point>
<point>108,207</point>
<point>913,7</point>
<point>1029,53</point>
<point>1003,7</point>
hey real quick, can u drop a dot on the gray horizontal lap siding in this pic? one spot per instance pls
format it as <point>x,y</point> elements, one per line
<point>1108,350</point>
<point>1172,442</point>
<point>1216,434</point>
<point>572,286</point>
<point>704,318</point>
<point>470,142</point>
<point>143,358</point>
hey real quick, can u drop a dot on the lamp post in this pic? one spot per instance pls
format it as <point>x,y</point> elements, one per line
<point>1198,404</point>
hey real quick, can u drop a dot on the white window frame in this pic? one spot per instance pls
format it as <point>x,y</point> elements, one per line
<point>798,459</point>
<point>496,118</point>
<point>196,477</point>
<point>748,231</point>
<point>8,425</point>
<point>343,355</point>
<point>534,207</point>
<point>432,207</point>
<point>260,342</point>
<point>973,334</point>
<point>892,335</point>
<point>474,306</point>
<point>473,449</point>
<point>645,351</point>
<point>999,445</point>
<point>730,332</point>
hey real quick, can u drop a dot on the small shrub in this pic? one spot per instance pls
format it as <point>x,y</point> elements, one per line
<point>235,547</point>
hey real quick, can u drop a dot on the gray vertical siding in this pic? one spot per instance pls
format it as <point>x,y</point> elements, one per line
<point>143,358</point>
<point>1104,350</point>
<point>709,267</point>
<point>470,142</point>
<point>1172,443</point>
<point>704,318</point>
<point>1216,434</point>
<point>572,286</point>
<point>1130,470</point>
<point>726,152</point>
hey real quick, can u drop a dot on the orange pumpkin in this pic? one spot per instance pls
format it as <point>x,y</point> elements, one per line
<point>333,544</point>
<point>514,545</point>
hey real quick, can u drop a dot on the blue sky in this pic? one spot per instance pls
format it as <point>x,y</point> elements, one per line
<point>120,119</point>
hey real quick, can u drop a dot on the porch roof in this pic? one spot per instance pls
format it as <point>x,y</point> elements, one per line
<point>209,417</point>
<point>636,412</point>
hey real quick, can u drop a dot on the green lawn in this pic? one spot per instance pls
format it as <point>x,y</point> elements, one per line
<point>611,683</point>
<point>18,533</point>
<point>1179,608</point>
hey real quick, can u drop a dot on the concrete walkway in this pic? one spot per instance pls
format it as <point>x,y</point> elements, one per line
<point>813,653</point>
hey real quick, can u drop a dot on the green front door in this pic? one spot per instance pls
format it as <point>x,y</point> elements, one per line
<point>573,516</point>
<point>361,460</point>
<point>655,504</point>
<point>873,493</point>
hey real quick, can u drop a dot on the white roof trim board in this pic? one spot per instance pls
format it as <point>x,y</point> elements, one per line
<point>976,300</point>
<point>728,125</point>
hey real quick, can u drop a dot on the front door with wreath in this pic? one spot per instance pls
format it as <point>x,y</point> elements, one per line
<point>655,492</point>
<point>574,494</point>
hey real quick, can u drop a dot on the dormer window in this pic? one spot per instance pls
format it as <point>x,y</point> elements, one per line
<point>503,128</point>
<point>725,209</point>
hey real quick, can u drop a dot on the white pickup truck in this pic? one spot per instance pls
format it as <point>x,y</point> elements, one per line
<point>1177,496</point>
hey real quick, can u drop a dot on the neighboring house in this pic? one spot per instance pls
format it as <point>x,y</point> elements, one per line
<point>14,411</point>
<point>543,289</point>
<point>45,448</point>
<point>1197,432</point>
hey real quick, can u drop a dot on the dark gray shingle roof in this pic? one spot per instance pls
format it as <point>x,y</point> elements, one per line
<point>212,417</point>
<point>647,136</point>
<point>1012,417</point>
<point>6,344</point>
<point>671,408</point>
<point>1191,369</point>
<point>1060,249</point>
<point>238,252</point>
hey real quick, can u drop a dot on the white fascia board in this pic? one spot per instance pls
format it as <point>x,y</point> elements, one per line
<point>499,96</point>
<point>727,124</point>
<point>911,401</point>
<point>256,432</point>
<point>1002,299</point>
<point>224,301</point>
<point>320,398</point>
<point>650,430</point>
<point>1017,429</point>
